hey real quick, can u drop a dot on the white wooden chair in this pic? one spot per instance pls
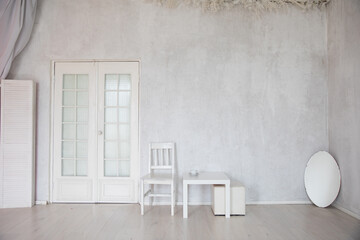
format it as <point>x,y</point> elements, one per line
<point>161,171</point>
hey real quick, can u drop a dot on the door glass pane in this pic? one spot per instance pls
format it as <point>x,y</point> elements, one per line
<point>124,115</point>
<point>68,131</point>
<point>68,167</point>
<point>82,98</point>
<point>117,98</point>
<point>124,132</point>
<point>125,82</point>
<point>82,81</point>
<point>111,150</point>
<point>82,114</point>
<point>110,98</point>
<point>68,149</point>
<point>110,115</point>
<point>69,81</point>
<point>81,150</point>
<point>82,132</point>
<point>110,132</point>
<point>111,168</point>
<point>69,98</point>
<point>81,167</point>
<point>124,168</point>
<point>124,99</point>
<point>75,127</point>
<point>111,81</point>
<point>68,114</point>
<point>124,150</point>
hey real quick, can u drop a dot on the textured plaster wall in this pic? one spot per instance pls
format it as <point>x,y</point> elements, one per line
<point>344,97</point>
<point>237,93</point>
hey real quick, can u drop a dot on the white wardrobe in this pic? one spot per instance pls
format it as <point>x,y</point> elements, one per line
<point>17,152</point>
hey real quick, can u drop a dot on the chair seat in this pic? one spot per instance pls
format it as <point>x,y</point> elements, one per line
<point>158,178</point>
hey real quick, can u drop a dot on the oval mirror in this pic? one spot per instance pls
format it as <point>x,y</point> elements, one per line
<point>322,179</point>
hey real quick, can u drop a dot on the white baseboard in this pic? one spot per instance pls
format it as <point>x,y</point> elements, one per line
<point>41,202</point>
<point>357,216</point>
<point>178,203</point>
<point>209,203</point>
<point>277,202</point>
<point>247,203</point>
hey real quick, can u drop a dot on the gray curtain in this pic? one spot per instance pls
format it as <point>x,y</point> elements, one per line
<point>16,22</point>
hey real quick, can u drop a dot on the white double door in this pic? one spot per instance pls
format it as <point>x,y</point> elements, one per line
<point>95,132</point>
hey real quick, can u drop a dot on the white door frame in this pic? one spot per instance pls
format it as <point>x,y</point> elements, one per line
<point>52,110</point>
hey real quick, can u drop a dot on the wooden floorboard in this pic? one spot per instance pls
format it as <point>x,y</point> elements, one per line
<point>123,221</point>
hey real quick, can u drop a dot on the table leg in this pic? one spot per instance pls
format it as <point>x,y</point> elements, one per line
<point>227,199</point>
<point>185,200</point>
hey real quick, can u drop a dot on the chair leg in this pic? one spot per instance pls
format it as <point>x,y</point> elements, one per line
<point>172,199</point>
<point>142,196</point>
<point>151,199</point>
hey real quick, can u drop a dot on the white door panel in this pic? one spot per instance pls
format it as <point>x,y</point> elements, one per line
<point>118,120</point>
<point>95,132</point>
<point>74,124</point>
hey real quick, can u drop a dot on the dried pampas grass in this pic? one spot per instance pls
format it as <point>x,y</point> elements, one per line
<point>256,5</point>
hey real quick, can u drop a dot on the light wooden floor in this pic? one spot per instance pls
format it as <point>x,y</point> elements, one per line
<point>116,221</point>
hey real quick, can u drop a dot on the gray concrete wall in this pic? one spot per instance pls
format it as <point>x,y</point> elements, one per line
<point>344,97</point>
<point>237,93</point>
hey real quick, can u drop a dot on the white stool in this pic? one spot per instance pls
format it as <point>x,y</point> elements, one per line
<point>237,199</point>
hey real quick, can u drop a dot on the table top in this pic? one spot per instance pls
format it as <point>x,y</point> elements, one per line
<point>206,176</point>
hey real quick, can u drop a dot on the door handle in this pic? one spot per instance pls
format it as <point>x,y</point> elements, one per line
<point>100,132</point>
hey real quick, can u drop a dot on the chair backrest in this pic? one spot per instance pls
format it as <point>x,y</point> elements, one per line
<point>162,156</point>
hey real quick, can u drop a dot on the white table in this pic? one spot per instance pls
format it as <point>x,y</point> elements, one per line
<point>206,178</point>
